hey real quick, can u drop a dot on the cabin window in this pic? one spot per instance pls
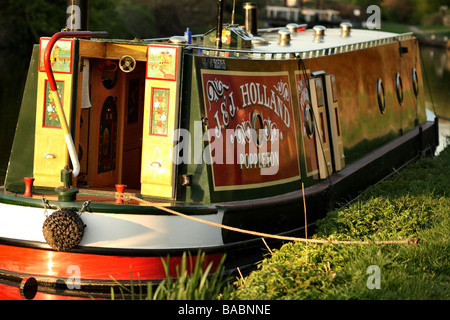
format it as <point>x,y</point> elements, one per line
<point>415,82</point>
<point>399,87</point>
<point>257,124</point>
<point>309,122</point>
<point>381,97</point>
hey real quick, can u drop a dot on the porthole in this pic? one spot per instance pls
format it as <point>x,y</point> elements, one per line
<point>258,126</point>
<point>415,81</point>
<point>309,121</point>
<point>399,87</point>
<point>381,97</point>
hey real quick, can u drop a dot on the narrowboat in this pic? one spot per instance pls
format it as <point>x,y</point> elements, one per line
<point>131,152</point>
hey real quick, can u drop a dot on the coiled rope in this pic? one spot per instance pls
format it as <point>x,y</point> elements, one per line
<point>127,197</point>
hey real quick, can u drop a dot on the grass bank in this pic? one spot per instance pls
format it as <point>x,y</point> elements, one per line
<point>413,203</point>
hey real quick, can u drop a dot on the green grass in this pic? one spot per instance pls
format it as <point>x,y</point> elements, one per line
<point>414,203</point>
<point>191,283</point>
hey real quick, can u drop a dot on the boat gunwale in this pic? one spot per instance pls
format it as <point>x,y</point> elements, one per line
<point>231,206</point>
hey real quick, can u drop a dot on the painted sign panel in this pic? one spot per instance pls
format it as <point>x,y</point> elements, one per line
<point>159,111</point>
<point>251,129</point>
<point>50,118</point>
<point>162,62</point>
<point>60,57</point>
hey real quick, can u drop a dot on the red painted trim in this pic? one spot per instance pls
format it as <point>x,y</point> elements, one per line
<point>44,262</point>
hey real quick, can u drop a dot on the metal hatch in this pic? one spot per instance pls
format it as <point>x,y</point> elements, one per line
<point>329,145</point>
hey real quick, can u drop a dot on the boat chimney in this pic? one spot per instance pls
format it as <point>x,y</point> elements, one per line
<point>251,17</point>
<point>346,27</point>
<point>219,24</point>
<point>292,27</point>
<point>285,37</point>
<point>77,15</point>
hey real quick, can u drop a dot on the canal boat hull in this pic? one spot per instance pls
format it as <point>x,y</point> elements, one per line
<point>218,143</point>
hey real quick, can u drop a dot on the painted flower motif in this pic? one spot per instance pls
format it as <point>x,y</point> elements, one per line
<point>51,118</point>
<point>159,113</point>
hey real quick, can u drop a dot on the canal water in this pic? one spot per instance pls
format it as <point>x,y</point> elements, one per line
<point>14,68</point>
<point>437,77</point>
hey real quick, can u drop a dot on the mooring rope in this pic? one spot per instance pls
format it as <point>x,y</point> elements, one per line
<point>127,196</point>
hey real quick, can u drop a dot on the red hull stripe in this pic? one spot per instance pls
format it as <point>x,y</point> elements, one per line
<point>41,262</point>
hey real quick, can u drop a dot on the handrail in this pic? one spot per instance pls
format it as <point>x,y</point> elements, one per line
<point>54,90</point>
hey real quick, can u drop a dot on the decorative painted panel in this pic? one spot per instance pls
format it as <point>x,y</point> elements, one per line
<point>307,124</point>
<point>252,130</point>
<point>60,57</point>
<point>159,111</point>
<point>50,117</point>
<point>162,62</point>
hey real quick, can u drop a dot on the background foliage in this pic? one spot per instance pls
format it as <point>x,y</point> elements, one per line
<point>22,21</point>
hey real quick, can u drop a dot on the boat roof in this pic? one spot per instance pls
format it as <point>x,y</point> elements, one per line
<point>307,40</point>
<point>306,43</point>
<point>266,45</point>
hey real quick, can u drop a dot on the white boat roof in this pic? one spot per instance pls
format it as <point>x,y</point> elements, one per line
<point>305,41</point>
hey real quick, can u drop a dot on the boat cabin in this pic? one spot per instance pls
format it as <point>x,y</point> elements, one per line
<point>127,103</point>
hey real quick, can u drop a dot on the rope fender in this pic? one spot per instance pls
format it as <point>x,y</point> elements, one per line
<point>63,229</point>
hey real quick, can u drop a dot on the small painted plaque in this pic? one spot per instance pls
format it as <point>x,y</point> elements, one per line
<point>51,119</point>
<point>60,57</point>
<point>162,62</point>
<point>159,111</point>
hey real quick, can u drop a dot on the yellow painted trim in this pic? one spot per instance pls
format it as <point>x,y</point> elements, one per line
<point>158,171</point>
<point>50,151</point>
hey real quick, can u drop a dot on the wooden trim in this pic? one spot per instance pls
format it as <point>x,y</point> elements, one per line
<point>113,51</point>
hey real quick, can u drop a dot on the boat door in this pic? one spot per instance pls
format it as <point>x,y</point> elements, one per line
<point>162,86</point>
<point>50,152</point>
<point>329,146</point>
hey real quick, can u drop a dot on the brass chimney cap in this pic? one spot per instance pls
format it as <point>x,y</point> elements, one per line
<point>285,36</point>
<point>346,27</point>
<point>319,30</point>
<point>292,27</point>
